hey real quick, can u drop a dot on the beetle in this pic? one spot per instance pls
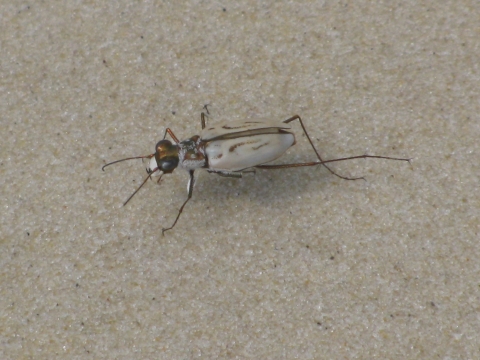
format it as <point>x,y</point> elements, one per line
<point>230,149</point>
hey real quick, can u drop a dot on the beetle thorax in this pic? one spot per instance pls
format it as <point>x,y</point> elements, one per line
<point>191,153</point>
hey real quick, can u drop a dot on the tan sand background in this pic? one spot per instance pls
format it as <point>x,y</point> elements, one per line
<point>293,264</point>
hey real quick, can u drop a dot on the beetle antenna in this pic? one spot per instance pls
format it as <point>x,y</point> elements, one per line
<point>130,158</point>
<point>143,183</point>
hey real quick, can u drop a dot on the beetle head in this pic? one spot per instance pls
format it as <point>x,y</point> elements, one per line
<point>166,156</point>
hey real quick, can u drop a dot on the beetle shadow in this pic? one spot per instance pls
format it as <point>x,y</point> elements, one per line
<point>265,186</point>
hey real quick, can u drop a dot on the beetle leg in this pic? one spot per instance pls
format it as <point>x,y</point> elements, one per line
<point>170,132</point>
<point>315,163</point>
<point>190,192</point>
<point>203,115</point>
<point>232,174</point>
<point>296,117</point>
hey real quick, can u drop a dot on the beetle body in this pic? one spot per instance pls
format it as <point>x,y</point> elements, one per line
<point>229,149</point>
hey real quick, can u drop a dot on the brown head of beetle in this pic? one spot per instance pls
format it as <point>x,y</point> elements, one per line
<point>166,160</point>
<point>166,156</point>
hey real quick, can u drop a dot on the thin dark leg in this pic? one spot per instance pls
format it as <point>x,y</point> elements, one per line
<point>231,174</point>
<point>296,117</point>
<point>190,192</point>
<point>315,163</point>
<point>203,115</point>
<point>170,132</point>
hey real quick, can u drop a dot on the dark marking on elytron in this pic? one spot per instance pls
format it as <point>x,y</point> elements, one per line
<point>233,147</point>
<point>232,127</point>
<point>261,145</point>
<point>241,126</point>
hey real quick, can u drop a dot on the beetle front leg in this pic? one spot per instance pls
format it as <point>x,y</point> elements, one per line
<point>170,132</point>
<point>190,192</point>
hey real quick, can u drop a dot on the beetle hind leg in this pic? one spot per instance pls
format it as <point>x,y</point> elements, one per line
<point>296,117</point>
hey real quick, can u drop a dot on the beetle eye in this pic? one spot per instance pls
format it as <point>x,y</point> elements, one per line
<point>168,165</point>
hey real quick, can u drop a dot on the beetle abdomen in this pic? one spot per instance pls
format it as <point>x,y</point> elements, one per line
<point>245,152</point>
